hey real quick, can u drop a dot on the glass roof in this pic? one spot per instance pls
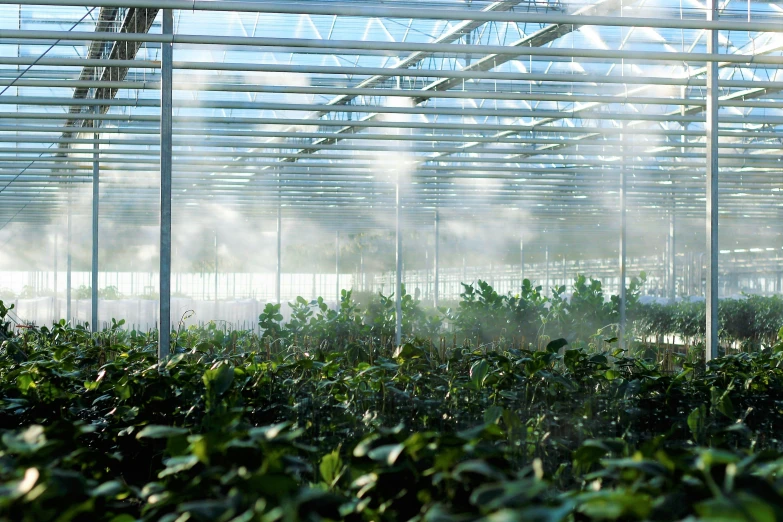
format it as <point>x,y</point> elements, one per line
<point>322,112</point>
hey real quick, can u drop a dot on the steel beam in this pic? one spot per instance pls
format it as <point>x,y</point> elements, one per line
<point>279,252</point>
<point>398,259</point>
<point>436,262</point>
<point>623,251</point>
<point>522,258</point>
<point>378,11</point>
<point>672,255</point>
<point>164,330</point>
<point>68,259</point>
<point>712,174</point>
<point>547,286</point>
<point>217,271</point>
<point>54,283</point>
<point>95,214</point>
<point>385,48</point>
<point>337,267</point>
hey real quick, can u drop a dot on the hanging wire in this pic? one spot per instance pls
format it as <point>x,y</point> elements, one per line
<point>19,77</point>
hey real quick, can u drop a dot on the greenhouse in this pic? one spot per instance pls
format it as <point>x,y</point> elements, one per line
<point>391,260</point>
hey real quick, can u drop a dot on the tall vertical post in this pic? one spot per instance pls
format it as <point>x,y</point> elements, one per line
<point>216,268</point>
<point>68,235</point>
<point>565,277</point>
<point>623,237</point>
<point>672,268</point>
<point>712,187</point>
<point>522,258</point>
<point>337,267</point>
<point>663,283</point>
<point>95,213</point>
<point>546,279</point>
<point>164,330</point>
<point>361,271</point>
<point>279,265</point>
<point>398,258</point>
<point>436,262</point>
<point>54,283</point>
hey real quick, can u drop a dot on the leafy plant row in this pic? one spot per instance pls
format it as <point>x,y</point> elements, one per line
<point>306,424</point>
<point>527,319</point>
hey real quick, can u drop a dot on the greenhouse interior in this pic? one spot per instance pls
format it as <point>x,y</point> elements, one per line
<point>391,260</point>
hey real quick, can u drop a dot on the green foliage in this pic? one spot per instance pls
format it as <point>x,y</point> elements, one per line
<point>270,321</point>
<point>314,420</point>
<point>752,321</point>
<point>486,316</point>
<point>6,328</point>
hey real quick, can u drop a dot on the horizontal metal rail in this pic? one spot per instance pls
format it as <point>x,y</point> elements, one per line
<point>354,46</point>
<point>376,11</point>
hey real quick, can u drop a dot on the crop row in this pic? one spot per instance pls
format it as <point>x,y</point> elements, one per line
<point>306,423</point>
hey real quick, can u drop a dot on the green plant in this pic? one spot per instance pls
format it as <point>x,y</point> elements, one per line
<point>231,427</point>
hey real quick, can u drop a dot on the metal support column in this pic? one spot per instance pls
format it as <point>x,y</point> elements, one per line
<point>522,258</point>
<point>712,188</point>
<point>546,278</point>
<point>337,267</point>
<point>95,212</point>
<point>436,261</point>
<point>565,277</point>
<point>68,236</point>
<point>54,283</point>
<point>164,329</point>
<point>362,286</point>
<point>279,265</point>
<point>623,237</point>
<point>216,268</point>
<point>672,268</point>
<point>398,257</point>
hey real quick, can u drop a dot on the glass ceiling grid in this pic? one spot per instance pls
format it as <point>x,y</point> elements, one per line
<point>336,106</point>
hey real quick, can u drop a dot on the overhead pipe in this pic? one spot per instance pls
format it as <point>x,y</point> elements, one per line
<point>542,193</point>
<point>126,160</point>
<point>457,111</point>
<point>27,132</point>
<point>376,11</point>
<point>520,95</point>
<point>513,113</point>
<point>604,156</point>
<point>331,187</point>
<point>394,47</point>
<point>757,197</point>
<point>439,173</point>
<point>386,71</point>
<point>233,121</point>
<point>608,147</point>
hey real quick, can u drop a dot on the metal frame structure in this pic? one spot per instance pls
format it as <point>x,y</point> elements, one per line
<point>356,115</point>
